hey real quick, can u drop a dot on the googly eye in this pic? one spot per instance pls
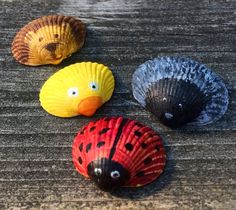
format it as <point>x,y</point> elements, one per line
<point>73,92</point>
<point>115,174</point>
<point>164,99</point>
<point>97,171</point>
<point>93,86</point>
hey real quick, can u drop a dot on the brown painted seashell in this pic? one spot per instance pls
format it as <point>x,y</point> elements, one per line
<point>48,40</point>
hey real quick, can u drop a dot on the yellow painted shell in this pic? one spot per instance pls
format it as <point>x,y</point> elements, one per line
<point>48,40</point>
<point>78,89</point>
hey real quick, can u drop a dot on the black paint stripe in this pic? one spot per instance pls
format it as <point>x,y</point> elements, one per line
<point>113,149</point>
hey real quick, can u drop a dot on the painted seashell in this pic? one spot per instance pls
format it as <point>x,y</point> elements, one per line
<point>179,90</point>
<point>48,40</point>
<point>78,89</point>
<point>116,151</point>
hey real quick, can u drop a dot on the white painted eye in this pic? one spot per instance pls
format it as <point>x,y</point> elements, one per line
<point>115,174</point>
<point>97,171</point>
<point>93,86</point>
<point>73,92</point>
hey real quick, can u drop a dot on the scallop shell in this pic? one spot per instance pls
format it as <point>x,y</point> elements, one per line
<point>116,152</point>
<point>78,89</point>
<point>179,90</point>
<point>48,40</point>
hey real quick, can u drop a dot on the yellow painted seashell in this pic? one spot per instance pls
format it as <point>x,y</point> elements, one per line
<point>78,89</point>
<point>48,40</point>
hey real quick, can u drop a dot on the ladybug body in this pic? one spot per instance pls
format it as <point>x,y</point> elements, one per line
<point>116,152</point>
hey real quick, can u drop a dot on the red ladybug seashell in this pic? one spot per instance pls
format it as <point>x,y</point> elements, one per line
<point>116,152</point>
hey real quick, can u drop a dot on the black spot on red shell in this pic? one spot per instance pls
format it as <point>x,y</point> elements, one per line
<point>157,148</point>
<point>137,133</point>
<point>80,160</point>
<point>129,147</point>
<point>150,135</point>
<point>100,144</point>
<point>81,147</point>
<point>88,147</point>
<point>147,161</point>
<point>140,174</point>
<point>138,124</point>
<point>104,130</point>
<point>82,132</point>
<point>92,129</point>
<point>144,145</point>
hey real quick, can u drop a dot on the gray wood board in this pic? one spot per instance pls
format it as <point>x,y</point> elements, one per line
<point>36,171</point>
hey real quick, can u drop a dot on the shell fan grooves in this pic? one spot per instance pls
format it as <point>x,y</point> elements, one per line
<point>179,91</point>
<point>48,40</point>
<point>115,152</point>
<point>78,89</point>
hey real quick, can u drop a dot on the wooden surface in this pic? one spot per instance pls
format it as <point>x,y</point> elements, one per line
<point>36,171</point>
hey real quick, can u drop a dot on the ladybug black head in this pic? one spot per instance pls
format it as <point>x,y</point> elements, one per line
<point>107,174</point>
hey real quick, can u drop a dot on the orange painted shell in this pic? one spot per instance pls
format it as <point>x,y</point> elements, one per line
<point>48,40</point>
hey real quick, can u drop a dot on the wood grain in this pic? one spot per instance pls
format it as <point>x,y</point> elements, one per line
<point>36,170</point>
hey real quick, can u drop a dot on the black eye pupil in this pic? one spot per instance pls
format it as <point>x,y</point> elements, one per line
<point>93,86</point>
<point>73,93</point>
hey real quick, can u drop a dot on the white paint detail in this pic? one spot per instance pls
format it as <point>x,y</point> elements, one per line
<point>73,92</point>
<point>169,115</point>
<point>93,86</point>
<point>115,174</point>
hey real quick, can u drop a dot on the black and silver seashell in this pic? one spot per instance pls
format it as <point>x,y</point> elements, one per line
<point>179,90</point>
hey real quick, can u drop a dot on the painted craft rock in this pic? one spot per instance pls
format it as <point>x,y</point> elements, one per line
<point>116,152</point>
<point>48,40</point>
<point>78,89</point>
<point>179,90</point>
